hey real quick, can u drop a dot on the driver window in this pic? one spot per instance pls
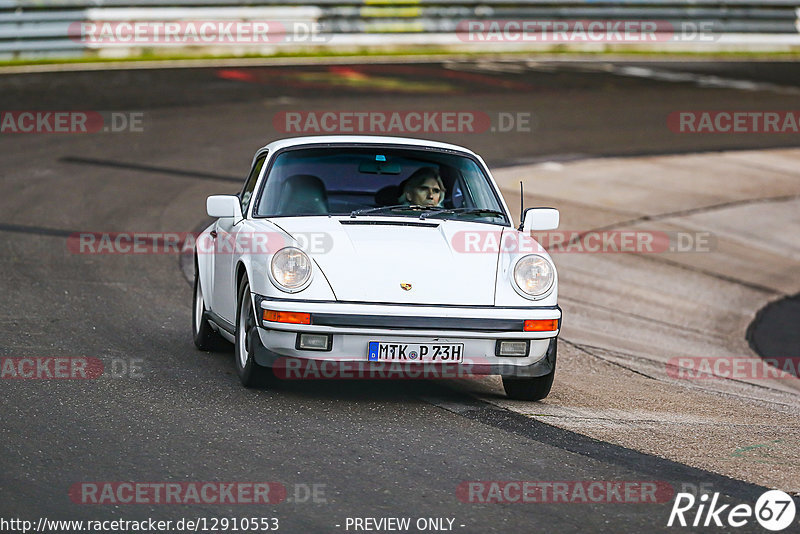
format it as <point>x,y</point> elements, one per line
<point>247,193</point>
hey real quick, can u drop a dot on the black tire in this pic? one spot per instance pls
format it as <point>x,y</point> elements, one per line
<point>529,389</point>
<point>205,338</point>
<point>250,372</point>
<point>533,388</point>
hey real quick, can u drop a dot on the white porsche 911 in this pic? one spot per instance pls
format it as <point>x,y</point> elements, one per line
<point>373,253</point>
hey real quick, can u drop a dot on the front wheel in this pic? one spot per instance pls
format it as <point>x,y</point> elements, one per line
<point>250,372</point>
<point>205,338</point>
<point>529,389</point>
<point>532,388</point>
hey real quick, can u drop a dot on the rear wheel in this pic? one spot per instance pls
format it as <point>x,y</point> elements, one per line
<point>205,338</point>
<point>250,372</point>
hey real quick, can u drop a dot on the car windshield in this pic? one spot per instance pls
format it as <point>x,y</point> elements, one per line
<point>378,181</point>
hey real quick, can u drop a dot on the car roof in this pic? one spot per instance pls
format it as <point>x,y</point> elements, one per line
<point>360,140</point>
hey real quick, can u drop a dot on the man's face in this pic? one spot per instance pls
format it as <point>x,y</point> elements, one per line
<point>427,193</point>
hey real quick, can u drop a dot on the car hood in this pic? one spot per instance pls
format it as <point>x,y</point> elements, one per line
<point>398,260</point>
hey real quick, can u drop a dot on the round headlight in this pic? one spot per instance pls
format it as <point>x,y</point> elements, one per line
<point>534,275</point>
<point>291,269</point>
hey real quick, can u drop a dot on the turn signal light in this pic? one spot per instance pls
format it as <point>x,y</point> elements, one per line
<point>540,325</point>
<point>287,317</point>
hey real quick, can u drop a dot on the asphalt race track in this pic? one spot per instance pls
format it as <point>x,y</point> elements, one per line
<point>163,411</point>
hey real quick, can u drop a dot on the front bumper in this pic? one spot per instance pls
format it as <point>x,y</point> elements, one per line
<point>353,325</point>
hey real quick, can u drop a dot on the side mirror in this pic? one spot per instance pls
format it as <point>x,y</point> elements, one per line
<point>540,219</point>
<point>224,206</point>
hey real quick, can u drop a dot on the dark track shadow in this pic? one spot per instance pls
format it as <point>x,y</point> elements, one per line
<point>151,169</point>
<point>40,230</point>
<point>773,333</point>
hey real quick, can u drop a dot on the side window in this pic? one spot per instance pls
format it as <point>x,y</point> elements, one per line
<point>247,193</point>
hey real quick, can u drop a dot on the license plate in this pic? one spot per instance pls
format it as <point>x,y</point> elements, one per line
<point>380,351</point>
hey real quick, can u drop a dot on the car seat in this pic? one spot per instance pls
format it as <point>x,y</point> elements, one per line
<point>303,194</point>
<point>388,195</point>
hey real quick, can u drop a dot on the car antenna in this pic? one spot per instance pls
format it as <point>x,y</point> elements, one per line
<point>521,206</point>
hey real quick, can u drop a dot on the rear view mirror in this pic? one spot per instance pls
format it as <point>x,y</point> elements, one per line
<point>221,206</point>
<point>540,219</point>
<point>379,167</point>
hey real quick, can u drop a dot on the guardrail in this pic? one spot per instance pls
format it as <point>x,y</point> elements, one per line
<point>31,28</point>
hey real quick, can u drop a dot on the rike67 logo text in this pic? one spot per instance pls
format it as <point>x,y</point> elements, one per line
<point>774,510</point>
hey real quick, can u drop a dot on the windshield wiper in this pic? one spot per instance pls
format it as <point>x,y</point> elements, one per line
<point>470,211</point>
<point>412,207</point>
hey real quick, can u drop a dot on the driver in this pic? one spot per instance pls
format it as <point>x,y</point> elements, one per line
<point>423,188</point>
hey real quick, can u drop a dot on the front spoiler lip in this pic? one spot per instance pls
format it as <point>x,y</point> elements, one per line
<point>544,366</point>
